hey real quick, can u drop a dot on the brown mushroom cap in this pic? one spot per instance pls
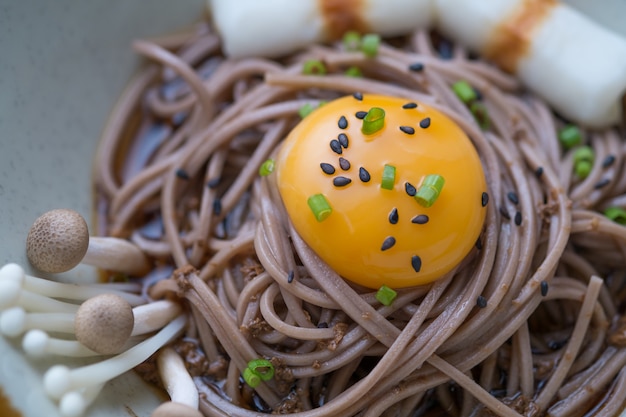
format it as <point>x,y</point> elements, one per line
<point>57,241</point>
<point>172,409</point>
<point>104,323</point>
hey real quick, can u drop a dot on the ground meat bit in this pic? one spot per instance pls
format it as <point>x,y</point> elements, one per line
<point>290,404</point>
<point>250,268</point>
<point>316,364</point>
<point>148,371</point>
<point>339,330</point>
<point>283,377</point>
<point>197,363</point>
<point>520,403</point>
<point>256,327</point>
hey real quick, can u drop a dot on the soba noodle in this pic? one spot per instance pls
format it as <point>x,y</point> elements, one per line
<point>529,324</point>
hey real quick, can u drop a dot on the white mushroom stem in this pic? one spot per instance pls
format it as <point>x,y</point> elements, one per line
<point>173,409</point>
<point>12,294</point>
<point>14,272</point>
<point>59,379</point>
<point>153,316</point>
<point>75,403</point>
<point>15,321</point>
<point>175,378</point>
<point>59,240</point>
<point>37,343</point>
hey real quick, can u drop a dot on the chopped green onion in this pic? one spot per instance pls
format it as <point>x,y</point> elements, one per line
<point>352,41</point>
<point>314,67</point>
<point>584,153</point>
<point>583,161</point>
<point>481,115</point>
<point>570,136</point>
<point>262,368</point>
<point>373,121</point>
<point>370,44</point>
<point>251,378</point>
<point>617,214</point>
<point>430,189</point>
<point>319,206</point>
<point>354,72</point>
<point>386,295</point>
<point>464,91</point>
<point>306,110</point>
<point>266,168</point>
<point>389,177</point>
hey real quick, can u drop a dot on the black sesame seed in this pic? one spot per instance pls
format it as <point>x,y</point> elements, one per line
<point>505,213</point>
<point>343,122</point>
<point>410,105</point>
<point>407,129</point>
<point>344,164</point>
<point>420,219</point>
<point>410,189</point>
<point>479,244</point>
<point>182,174</point>
<point>393,216</point>
<point>425,123</point>
<point>484,199</point>
<point>608,161</point>
<point>364,175</point>
<point>217,206</point>
<point>512,197</point>
<point>602,183</point>
<point>539,172</point>
<point>544,288</point>
<point>213,182</point>
<point>416,67</point>
<point>343,140</point>
<point>388,243</point>
<point>358,96</point>
<point>518,218</point>
<point>360,115</point>
<point>327,168</point>
<point>481,301</point>
<point>341,181</point>
<point>336,146</point>
<point>416,263</point>
<point>290,276</point>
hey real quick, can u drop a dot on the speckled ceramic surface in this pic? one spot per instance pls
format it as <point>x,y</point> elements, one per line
<point>62,65</point>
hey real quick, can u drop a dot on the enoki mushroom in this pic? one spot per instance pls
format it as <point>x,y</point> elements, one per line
<point>529,323</point>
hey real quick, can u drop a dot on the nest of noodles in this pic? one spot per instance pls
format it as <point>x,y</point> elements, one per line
<point>530,323</point>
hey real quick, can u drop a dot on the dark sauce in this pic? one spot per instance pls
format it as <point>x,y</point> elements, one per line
<point>6,408</point>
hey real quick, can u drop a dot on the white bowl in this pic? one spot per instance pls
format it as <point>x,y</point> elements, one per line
<point>62,66</point>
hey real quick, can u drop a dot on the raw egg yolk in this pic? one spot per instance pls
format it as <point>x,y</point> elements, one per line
<point>398,202</point>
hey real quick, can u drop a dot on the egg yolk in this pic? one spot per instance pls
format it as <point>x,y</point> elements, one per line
<point>354,197</point>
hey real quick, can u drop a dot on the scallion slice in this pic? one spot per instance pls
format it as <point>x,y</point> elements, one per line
<point>319,206</point>
<point>314,67</point>
<point>266,168</point>
<point>479,111</point>
<point>263,368</point>
<point>388,178</point>
<point>429,190</point>
<point>373,121</point>
<point>370,44</point>
<point>354,72</point>
<point>616,214</point>
<point>251,378</point>
<point>386,295</point>
<point>570,136</point>
<point>464,91</point>
<point>351,41</point>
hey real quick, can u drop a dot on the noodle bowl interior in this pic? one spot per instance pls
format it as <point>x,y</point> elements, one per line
<point>530,322</point>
